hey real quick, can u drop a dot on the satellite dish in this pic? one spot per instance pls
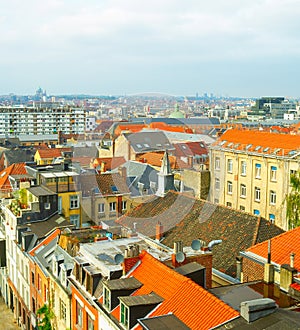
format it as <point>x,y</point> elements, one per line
<point>180,256</point>
<point>118,258</point>
<point>196,245</point>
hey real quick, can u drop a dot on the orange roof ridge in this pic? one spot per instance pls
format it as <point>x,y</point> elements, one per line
<point>46,240</point>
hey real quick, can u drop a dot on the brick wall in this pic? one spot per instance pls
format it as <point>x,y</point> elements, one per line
<point>252,271</point>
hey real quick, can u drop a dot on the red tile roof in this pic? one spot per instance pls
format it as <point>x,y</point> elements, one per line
<point>49,153</point>
<point>281,248</point>
<point>155,158</point>
<point>191,303</point>
<point>14,169</point>
<point>109,163</point>
<point>274,141</point>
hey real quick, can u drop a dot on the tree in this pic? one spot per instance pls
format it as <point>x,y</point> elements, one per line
<point>45,316</point>
<point>293,201</point>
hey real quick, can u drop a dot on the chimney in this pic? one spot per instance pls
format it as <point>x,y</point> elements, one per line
<point>131,257</point>
<point>159,230</point>
<point>255,309</point>
<point>239,262</point>
<point>269,268</point>
<point>122,171</point>
<point>178,248</point>
<point>287,273</point>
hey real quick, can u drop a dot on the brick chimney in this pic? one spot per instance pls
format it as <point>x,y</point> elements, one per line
<point>159,230</point>
<point>131,257</point>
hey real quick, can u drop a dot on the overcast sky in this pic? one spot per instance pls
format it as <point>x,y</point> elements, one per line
<point>180,47</point>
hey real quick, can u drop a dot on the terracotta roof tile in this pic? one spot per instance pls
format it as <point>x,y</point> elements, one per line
<point>155,158</point>
<point>281,144</point>
<point>191,303</point>
<point>281,248</point>
<point>49,153</point>
<point>109,163</point>
<point>186,218</point>
<point>14,169</point>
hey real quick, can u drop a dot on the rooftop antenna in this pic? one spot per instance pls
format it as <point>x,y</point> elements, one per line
<point>119,258</point>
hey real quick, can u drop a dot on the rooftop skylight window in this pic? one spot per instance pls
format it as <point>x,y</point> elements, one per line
<point>266,149</point>
<point>248,146</point>
<point>257,148</point>
<point>139,145</point>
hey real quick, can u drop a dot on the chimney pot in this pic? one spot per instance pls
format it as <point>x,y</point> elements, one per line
<point>292,259</point>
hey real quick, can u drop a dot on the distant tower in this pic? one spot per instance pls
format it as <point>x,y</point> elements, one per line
<point>165,177</point>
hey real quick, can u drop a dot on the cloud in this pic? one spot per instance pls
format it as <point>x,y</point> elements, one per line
<point>112,35</point>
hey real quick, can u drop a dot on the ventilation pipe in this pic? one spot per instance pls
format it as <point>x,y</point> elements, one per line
<point>211,244</point>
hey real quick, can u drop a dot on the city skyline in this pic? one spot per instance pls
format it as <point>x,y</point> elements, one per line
<point>116,48</point>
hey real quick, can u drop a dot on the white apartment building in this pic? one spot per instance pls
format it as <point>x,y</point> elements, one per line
<point>39,120</point>
<point>250,171</point>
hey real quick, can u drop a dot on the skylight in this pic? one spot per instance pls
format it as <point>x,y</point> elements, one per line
<point>139,145</point>
<point>257,148</point>
<point>248,146</point>
<point>266,149</point>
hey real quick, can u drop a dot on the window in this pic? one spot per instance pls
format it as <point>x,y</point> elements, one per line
<point>217,163</point>
<point>292,173</point>
<point>124,315</point>
<point>78,314</point>
<point>272,218</point>
<point>32,278</point>
<point>112,206</point>
<point>257,171</point>
<point>243,167</point>
<point>124,205</point>
<point>243,190</point>
<point>229,204</point>
<point>39,283</point>
<point>75,220</point>
<point>257,194</point>
<point>256,212</point>
<point>62,310</point>
<point>90,322</point>
<point>229,165</point>
<point>74,202</point>
<point>273,173</point>
<point>217,183</point>
<point>216,201</point>
<point>106,298</point>
<point>272,197</point>
<point>242,208</point>
<point>229,187</point>
<point>101,208</point>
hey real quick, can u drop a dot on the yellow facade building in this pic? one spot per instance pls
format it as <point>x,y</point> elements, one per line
<point>250,171</point>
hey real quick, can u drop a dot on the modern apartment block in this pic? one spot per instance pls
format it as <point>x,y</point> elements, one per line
<point>41,120</point>
<point>250,171</point>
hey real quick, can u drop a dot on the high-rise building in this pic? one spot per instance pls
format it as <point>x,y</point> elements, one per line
<point>41,119</point>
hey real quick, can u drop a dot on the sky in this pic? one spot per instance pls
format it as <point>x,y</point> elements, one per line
<point>178,47</point>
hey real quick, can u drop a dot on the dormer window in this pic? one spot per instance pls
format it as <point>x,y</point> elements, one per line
<point>124,315</point>
<point>106,298</point>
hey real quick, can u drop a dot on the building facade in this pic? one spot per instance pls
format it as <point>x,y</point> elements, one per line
<point>250,171</point>
<point>40,120</point>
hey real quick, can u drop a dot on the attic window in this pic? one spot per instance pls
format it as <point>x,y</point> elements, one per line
<point>248,146</point>
<point>139,146</point>
<point>183,147</point>
<point>276,151</point>
<point>201,145</point>
<point>146,145</point>
<point>229,144</point>
<point>2,174</point>
<point>266,149</point>
<point>158,144</point>
<point>292,152</point>
<point>114,189</point>
<point>124,315</point>
<point>222,143</point>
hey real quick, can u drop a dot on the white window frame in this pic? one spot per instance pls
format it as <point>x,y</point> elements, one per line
<point>257,194</point>
<point>112,207</point>
<point>272,197</point>
<point>257,171</point>
<point>243,190</point>
<point>124,205</point>
<point>101,208</point>
<point>229,187</point>
<point>229,165</point>
<point>273,173</point>
<point>217,163</point>
<point>243,168</point>
<point>74,202</point>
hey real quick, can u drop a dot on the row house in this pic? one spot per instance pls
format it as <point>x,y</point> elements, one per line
<point>250,171</point>
<point>62,181</point>
<point>104,196</point>
<point>25,221</point>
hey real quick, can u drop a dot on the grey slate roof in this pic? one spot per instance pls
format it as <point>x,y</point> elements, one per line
<point>148,141</point>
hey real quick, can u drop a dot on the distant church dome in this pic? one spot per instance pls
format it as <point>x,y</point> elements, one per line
<point>176,113</point>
